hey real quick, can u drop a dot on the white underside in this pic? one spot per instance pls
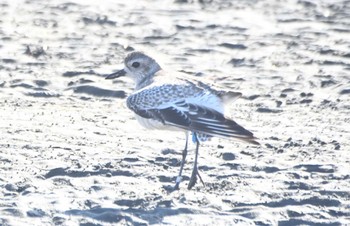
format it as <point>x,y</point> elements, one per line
<point>154,124</point>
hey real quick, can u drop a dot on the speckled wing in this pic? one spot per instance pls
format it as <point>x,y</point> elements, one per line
<point>183,113</point>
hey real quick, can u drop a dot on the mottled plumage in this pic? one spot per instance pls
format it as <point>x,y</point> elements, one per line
<point>173,101</point>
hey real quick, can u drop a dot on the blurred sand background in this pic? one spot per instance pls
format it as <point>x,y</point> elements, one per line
<point>71,153</point>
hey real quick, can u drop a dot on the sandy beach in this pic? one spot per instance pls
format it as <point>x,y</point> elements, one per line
<point>72,153</point>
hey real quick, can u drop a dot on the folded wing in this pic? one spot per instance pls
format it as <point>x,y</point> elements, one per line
<point>198,119</point>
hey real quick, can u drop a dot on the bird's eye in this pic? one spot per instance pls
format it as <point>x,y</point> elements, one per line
<point>136,64</point>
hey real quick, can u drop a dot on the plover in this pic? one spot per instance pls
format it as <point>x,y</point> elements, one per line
<point>173,101</point>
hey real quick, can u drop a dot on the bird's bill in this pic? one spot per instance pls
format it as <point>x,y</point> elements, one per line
<point>117,74</point>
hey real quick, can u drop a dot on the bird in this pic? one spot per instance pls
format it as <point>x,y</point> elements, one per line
<point>173,101</point>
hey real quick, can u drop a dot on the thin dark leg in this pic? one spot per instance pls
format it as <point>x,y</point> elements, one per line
<point>184,154</point>
<point>193,178</point>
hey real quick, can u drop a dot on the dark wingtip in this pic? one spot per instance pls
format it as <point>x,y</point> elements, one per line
<point>254,142</point>
<point>250,140</point>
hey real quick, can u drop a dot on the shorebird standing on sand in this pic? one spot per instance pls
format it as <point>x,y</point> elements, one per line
<point>168,101</point>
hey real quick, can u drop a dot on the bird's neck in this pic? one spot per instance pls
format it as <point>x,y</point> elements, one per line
<point>147,80</point>
<point>143,82</point>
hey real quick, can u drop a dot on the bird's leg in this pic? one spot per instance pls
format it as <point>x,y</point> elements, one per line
<point>184,154</point>
<point>193,178</point>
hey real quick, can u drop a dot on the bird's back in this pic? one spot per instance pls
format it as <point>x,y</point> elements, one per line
<point>187,105</point>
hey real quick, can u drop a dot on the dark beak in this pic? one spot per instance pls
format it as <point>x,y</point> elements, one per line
<point>117,74</point>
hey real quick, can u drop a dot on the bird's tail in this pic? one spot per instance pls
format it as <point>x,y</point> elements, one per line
<point>229,96</point>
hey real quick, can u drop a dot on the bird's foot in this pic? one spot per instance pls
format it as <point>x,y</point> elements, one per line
<point>178,181</point>
<point>170,189</point>
<point>193,179</point>
<point>200,178</point>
